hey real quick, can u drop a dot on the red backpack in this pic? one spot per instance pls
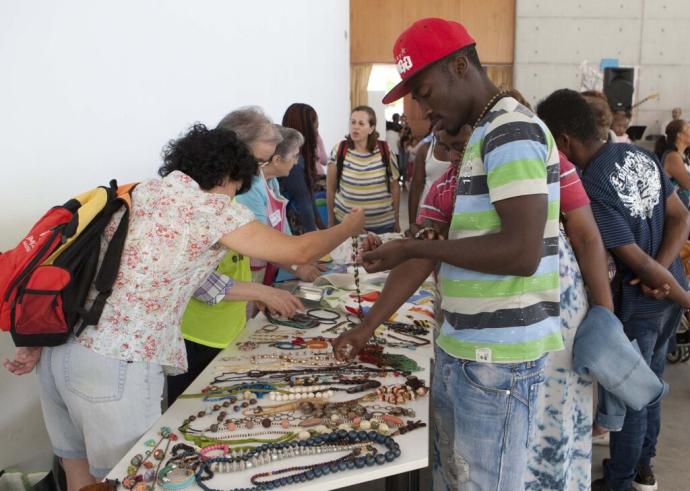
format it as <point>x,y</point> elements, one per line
<point>45,279</point>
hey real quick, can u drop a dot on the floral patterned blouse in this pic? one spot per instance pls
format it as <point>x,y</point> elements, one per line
<point>171,247</point>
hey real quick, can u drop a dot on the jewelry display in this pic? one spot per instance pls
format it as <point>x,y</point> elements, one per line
<point>415,329</point>
<point>339,328</point>
<point>135,480</point>
<point>298,321</point>
<point>373,354</point>
<point>310,360</point>
<point>289,345</point>
<point>279,393</point>
<point>400,394</point>
<point>311,446</point>
<point>407,343</point>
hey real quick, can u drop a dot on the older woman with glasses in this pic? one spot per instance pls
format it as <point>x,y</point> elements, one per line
<point>269,206</point>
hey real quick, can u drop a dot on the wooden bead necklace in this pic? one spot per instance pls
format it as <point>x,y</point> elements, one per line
<point>355,265</point>
<point>313,471</point>
<point>147,480</point>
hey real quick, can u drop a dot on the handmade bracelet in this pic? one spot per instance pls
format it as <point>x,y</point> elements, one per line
<point>317,343</point>
<point>324,320</point>
<point>211,448</point>
<point>428,233</point>
<point>173,477</point>
<point>288,345</point>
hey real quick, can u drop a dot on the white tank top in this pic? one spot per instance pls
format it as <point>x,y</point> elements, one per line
<point>433,168</point>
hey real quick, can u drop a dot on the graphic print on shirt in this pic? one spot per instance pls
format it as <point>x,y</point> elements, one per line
<point>638,184</point>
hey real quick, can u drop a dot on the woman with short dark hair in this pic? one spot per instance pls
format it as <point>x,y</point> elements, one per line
<point>102,390</point>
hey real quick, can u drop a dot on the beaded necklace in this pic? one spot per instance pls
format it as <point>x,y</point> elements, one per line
<point>143,481</point>
<point>466,168</point>
<point>352,460</point>
<point>358,290</point>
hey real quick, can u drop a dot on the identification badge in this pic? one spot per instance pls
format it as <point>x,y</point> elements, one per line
<point>274,218</point>
<point>483,355</point>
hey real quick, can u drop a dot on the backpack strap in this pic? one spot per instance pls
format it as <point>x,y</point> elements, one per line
<point>339,162</point>
<point>107,274</point>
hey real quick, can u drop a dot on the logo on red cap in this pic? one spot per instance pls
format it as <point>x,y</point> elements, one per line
<point>423,43</point>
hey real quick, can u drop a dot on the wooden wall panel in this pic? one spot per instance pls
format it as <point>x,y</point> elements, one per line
<point>375,25</point>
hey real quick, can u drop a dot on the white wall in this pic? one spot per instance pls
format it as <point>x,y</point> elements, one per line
<point>554,36</point>
<point>92,90</point>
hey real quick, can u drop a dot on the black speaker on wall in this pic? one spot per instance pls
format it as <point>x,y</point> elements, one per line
<point>619,88</point>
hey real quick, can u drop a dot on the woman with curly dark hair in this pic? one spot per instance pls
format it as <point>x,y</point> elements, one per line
<point>102,390</point>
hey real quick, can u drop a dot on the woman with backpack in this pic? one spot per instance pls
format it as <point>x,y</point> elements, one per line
<point>102,390</point>
<point>363,172</point>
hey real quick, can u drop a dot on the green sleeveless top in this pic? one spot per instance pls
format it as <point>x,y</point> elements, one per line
<point>218,325</point>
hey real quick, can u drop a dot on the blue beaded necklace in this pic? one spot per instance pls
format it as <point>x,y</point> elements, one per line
<point>313,471</point>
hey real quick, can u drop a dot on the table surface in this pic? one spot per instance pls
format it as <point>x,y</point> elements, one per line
<point>414,446</point>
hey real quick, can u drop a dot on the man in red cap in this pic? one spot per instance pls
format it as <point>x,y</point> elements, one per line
<point>499,269</point>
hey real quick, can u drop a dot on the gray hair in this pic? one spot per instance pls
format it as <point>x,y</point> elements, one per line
<point>292,140</point>
<point>251,124</point>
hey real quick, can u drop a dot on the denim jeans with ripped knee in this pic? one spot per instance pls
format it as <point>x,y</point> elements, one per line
<point>483,416</point>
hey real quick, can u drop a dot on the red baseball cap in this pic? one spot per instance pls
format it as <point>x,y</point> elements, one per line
<point>421,44</point>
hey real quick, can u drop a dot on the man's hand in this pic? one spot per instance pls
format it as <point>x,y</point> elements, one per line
<point>371,242</point>
<point>658,293</point>
<point>385,257</point>
<point>348,345</point>
<point>25,359</point>
<point>412,231</point>
<point>281,302</point>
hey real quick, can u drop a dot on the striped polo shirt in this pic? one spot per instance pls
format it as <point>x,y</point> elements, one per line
<point>501,318</point>
<point>363,184</point>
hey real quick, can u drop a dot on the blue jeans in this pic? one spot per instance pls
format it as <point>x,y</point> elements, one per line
<point>483,416</point>
<point>636,442</point>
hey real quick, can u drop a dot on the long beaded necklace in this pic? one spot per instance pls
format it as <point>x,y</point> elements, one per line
<point>310,472</point>
<point>467,167</point>
<point>358,290</point>
<point>147,480</point>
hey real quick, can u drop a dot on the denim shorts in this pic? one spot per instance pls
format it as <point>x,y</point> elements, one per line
<point>95,407</point>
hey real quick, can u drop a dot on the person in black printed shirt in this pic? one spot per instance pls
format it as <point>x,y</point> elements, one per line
<point>643,224</point>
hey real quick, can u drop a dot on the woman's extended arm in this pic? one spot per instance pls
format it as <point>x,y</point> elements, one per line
<point>263,242</point>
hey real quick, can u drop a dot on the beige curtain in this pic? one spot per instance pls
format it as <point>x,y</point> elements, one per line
<point>359,80</point>
<point>501,76</point>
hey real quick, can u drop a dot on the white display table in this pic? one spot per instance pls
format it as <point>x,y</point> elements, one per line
<point>414,446</point>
